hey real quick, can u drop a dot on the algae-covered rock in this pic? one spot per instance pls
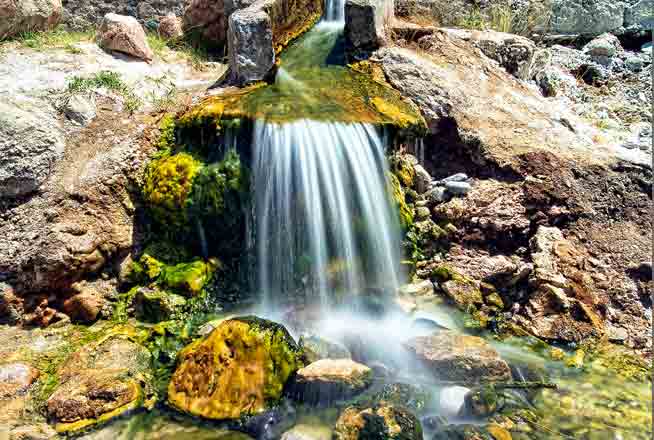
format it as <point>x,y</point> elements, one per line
<point>463,358</point>
<point>101,381</point>
<point>380,421</point>
<point>238,369</point>
<point>155,305</point>
<point>329,380</point>
<point>413,397</point>
<point>399,198</point>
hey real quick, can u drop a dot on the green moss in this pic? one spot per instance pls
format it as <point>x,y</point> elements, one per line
<point>167,132</point>
<point>167,185</point>
<point>406,214</point>
<point>189,278</point>
<point>402,166</point>
<point>444,273</point>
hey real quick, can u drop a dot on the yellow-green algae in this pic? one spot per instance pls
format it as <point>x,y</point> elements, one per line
<point>238,369</point>
<point>405,212</point>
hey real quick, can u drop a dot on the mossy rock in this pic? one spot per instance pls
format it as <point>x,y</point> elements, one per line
<point>239,369</point>
<point>403,166</point>
<point>380,421</point>
<point>399,199</point>
<point>155,305</point>
<point>413,397</point>
<point>167,185</point>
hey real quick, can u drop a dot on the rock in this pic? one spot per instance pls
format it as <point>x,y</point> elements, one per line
<point>461,358</point>
<point>330,380</point>
<point>11,307</point>
<point>84,307</point>
<point>316,348</point>
<point>154,305</point>
<point>422,213</point>
<point>463,292</point>
<point>366,22</point>
<point>80,109</point>
<point>603,48</point>
<point>377,422</point>
<point>308,432</point>
<point>638,16</point>
<point>436,195</point>
<point>593,74</point>
<point>268,425</point>
<point>451,400</point>
<point>28,16</point>
<point>81,15</point>
<point>422,179</point>
<point>211,381</point>
<point>99,382</point>
<point>16,378</point>
<point>124,34</point>
<point>250,38</point>
<point>458,188</point>
<point>458,177</point>
<point>210,19</point>
<point>482,402</point>
<point>587,18</point>
<point>413,397</point>
<point>31,143</point>
<point>419,288</point>
<point>170,27</point>
<point>513,52</point>
<point>634,64</point>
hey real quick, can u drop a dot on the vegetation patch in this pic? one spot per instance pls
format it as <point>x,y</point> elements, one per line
<point>109,80</point>
<point>58,38</point>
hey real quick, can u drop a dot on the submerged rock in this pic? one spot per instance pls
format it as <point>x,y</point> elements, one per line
<point>124,34</point>
<point>238,369</point>
<point>329,380</point>
<point>379,421</point>
<point>461,358</point>
<point>412,397</point>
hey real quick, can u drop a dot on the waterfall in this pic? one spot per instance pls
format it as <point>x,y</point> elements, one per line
<point>334,11</point>
<point>325,225</point>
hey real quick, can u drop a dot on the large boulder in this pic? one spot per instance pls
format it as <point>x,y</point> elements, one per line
<point>460,358</point>
<point>366,22</point>
<point>238,369</point>
<point>18,16</point>
<point>380,421</point>
<point>124,34</point>
<point>100,382</point>
<point>329,380</point>
<point>31,142</point>
<point>251,52</point>
<point>639,16</point>
<point>586,17</point>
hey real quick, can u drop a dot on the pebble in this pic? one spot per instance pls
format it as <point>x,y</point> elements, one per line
<point>458,188</point>
<point>458,177</point>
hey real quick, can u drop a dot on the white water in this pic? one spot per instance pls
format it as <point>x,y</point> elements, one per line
<point>324,222</point>
<point>335,11</point>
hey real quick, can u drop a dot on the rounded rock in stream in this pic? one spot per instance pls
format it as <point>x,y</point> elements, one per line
<point>239,369</point>
<point>329,380</point>
<point>380,421</point>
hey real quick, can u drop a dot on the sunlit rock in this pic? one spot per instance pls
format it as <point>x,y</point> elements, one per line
<point>329,380</point>
<point>238,369</point>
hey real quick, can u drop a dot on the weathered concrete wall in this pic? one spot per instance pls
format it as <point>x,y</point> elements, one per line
<point>259,32</point>
<point>82,14</point>
<point>366,22</point>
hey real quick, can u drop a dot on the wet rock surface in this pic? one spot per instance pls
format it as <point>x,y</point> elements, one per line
<point>329,380</point>
<point>452,357</point>
<point>378,421</point>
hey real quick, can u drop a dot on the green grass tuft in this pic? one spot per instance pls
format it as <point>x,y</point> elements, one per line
<point>109,80</point>
<point>53,39</point>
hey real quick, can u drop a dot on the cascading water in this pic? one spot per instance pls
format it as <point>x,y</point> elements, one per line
<point>334,11</point>
<point>325,224</point>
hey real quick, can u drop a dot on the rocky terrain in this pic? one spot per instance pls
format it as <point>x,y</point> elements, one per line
<point>521,169</point>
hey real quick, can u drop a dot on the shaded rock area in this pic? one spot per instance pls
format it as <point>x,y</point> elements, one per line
<point>366,22</point>
<point>462,358</point>
<point>83,14</point>
<point>329,380</point>
<point>211,379</point>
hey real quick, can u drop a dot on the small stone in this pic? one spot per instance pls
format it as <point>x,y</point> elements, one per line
<point>436,195</point>
<point>16,378</point>
<point>419,288</point>
<point>450,356</point>
<point>84,307</point>
<point>80,109</point>
<point>458,188</point>
<point>422,213</point>
<point>634,64</point>
<point>462,292</point>
<point>170,27</point>
<point>617,334</point>
<point>603,48</point>
<point>458,177</point>
<point>330,380</point>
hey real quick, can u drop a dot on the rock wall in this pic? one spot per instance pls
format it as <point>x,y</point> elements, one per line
<point>82,14</point>
<point>257,33</point>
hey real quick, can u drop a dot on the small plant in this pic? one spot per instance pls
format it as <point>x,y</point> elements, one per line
<point>53,39</point>
<point>162,102</point>
<point>111,81</point>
